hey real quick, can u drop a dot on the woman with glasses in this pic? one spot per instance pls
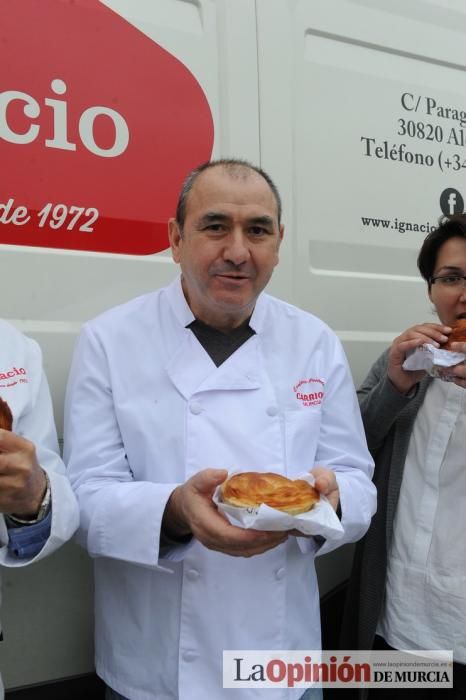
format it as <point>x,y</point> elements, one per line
<point>408,586</point>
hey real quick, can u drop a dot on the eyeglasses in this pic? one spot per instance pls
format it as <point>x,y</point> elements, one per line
<point>453,282</point>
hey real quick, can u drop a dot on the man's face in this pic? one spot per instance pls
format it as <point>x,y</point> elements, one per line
<point>229,245</point>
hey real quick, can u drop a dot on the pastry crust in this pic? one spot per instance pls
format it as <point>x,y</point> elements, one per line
<point>6,417</point>
<point>251,489</point>
<point>457,335</point>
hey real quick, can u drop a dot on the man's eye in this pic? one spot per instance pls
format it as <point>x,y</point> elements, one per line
<point>216,228</point>
<point>258,230</point>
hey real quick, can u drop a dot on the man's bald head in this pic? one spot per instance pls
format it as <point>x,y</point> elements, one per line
<point>236,169</point>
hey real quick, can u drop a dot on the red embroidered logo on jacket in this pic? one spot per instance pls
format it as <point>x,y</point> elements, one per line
<point>308,393</point>
<point>13,376</point>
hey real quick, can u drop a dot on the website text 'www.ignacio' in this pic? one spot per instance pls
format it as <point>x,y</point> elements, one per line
<point>398,225</point>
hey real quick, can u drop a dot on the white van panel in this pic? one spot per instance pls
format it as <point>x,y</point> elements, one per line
<point>47,619</point>
<point>217,42</point>
<point>334,99</point>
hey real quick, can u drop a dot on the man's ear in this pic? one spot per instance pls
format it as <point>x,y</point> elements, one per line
<point>175,238</point>
<point>281,231</point>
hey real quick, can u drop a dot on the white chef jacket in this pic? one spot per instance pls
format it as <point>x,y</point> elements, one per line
<point>24,387</point>
<point>425,601</point>
<point>146,409</point>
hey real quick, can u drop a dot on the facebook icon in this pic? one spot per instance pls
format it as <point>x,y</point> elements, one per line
<point>451,202</point>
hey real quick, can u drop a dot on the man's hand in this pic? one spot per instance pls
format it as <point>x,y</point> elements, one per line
<point>412,338</point>
<point>326,484</point>
<point>190,509</point>
<point>22,480</point>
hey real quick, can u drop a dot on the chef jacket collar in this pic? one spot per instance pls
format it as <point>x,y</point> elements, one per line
<point>185,316</point>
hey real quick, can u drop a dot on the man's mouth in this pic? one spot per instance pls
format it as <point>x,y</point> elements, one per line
<point>232,276</point>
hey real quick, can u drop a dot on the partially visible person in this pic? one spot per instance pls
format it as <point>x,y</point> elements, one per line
<point>38,511</point>
<point>165,393</point>
<point>408,585</point>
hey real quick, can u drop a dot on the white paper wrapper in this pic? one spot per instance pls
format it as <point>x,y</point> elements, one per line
<point>321,520</point>
<point>434,361</point>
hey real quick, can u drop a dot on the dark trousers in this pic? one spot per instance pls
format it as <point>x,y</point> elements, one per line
<point>458,692</point>
<point>111,694</point>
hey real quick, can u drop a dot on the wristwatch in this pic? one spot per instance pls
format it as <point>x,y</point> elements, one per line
<point>43,508</point>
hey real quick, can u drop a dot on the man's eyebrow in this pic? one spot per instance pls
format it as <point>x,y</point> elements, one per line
<point>212,216</point>
<point>261,220</point>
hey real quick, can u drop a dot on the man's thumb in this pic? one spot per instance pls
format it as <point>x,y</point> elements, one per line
<point>214,477</point>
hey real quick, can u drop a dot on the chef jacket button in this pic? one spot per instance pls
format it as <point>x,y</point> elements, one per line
<point>272,411</point>
<point>280,573</point>
<point>190,655</point>
<point>192,575</point>
<point>195,408</point>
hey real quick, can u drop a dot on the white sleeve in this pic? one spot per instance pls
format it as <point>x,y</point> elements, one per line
<point>120,518</point>
<point>37,425</point>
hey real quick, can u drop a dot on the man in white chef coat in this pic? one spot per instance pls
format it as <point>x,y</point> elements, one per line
<point>38,510</point>
<point>165,394</point>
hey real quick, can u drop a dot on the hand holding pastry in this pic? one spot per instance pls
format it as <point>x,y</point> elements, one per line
<point>457,343</point>
<point>270,501</point>
<point>22,480</point>
<point>412,338</point>
<point>326,484</point>
<point>190,510</point>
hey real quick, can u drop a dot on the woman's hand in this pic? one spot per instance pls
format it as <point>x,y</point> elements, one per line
<point>412,338</point>
<point>457,374</point>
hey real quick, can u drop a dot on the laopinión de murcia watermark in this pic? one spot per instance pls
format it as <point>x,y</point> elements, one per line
<point>337,669</point>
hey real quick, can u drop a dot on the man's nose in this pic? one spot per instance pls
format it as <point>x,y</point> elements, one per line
<point>236,247</point>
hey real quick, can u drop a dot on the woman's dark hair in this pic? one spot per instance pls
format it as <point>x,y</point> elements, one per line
<point>449,227</point>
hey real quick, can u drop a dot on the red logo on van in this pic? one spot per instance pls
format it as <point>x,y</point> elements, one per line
<point>307,391</point>
<point>98,127</point>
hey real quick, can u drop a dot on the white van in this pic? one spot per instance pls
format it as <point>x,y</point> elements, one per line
<point>356,108</point>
